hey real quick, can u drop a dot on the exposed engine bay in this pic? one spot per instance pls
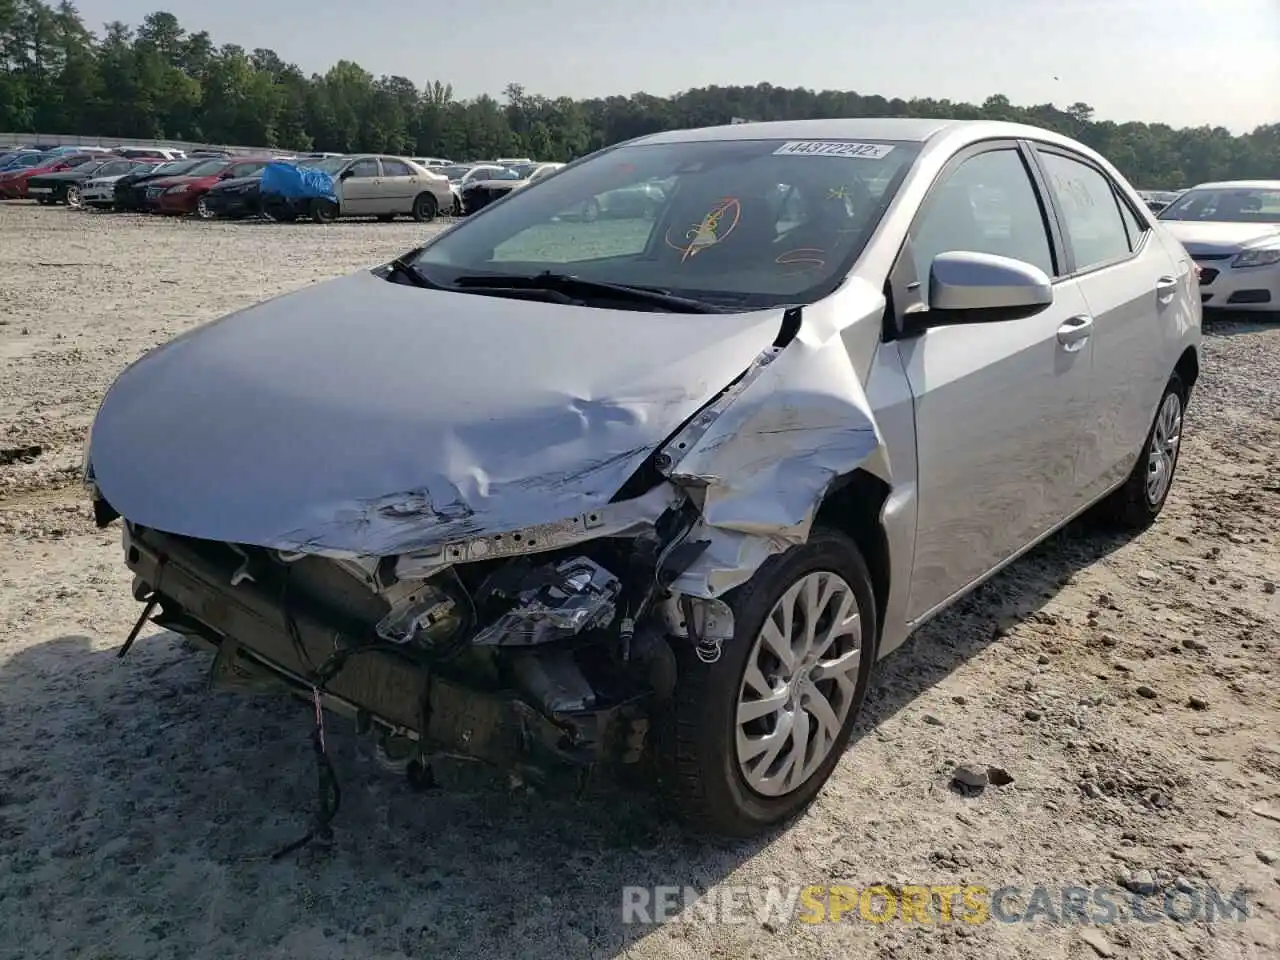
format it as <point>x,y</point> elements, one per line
<point>552,656</point>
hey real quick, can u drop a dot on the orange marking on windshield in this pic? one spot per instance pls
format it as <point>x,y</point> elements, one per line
<point>710,231</point>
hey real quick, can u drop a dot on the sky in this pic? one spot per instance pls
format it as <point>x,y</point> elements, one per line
<point>1182,62</point>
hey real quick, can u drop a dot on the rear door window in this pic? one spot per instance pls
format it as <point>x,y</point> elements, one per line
<point>1087,200</point>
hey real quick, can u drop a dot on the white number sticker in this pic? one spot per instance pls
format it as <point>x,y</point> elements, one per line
<point>834,148</point>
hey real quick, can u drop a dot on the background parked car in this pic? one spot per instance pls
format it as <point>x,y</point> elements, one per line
<point>1232,231</point>
<point>131,189</point>
<point>13,184</point>
<point>368,185</point>
<point>64,186</point>
<point>182,195</point>
<point>240,197</point>
<point>478,194</point>
<point>99,192</point>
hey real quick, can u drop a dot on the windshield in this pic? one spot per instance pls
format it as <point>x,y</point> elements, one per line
<point>88,166</point>
<point>206,168</point>
<point>753,222</point>
<point>523,170</point>
<point>453,173</point>
<point>1226,205</point>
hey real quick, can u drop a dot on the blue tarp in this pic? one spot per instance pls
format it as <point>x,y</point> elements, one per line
<point>297,183</point>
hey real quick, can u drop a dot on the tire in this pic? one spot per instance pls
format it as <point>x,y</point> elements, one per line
<point>73,197</point>
<point>1136,505</point>
<point>324,211</point>
<point>701,777</point>
<point>278,212</point>
<point>425,207</point>
<point>591,211</point>
<point>202,211</point>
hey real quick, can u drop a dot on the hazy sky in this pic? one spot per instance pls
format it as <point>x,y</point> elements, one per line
<point>1184,62</point>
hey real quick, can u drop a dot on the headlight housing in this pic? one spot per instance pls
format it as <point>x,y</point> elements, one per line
<point>1257,258</point>
<point>180,188</point>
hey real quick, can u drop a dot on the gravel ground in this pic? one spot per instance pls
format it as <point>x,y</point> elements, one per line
<point>1128,688</point>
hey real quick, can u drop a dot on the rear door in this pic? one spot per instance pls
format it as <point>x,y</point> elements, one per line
<point>1001,408</point>
<point>1134,289</point>
<point>399,186</point>
<point>359,191</point>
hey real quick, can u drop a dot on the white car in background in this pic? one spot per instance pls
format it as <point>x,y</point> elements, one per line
<point>100,192</point>
<point>1232,231</point>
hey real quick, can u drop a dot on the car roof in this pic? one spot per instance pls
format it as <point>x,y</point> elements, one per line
<point>1239,185</point>
<point>910,129</point>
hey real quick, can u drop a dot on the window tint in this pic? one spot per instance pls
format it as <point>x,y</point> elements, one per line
<point>985,205</point>
<point>367,167</point>
<point>1090,211</point>
<point>395,168</point>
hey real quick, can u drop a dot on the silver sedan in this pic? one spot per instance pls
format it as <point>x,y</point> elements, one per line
<point>547,491</point>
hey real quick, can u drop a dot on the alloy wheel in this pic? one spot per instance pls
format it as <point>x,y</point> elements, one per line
<point>799,684</point>
<point>1163,455</point>
<point>74,199</point>
<point>202,209</point>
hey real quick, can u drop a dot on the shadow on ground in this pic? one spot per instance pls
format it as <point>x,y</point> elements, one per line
<point>137,805</point>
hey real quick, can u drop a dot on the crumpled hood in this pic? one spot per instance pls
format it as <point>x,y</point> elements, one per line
<point>1220,238</point>
<point>368,418</point>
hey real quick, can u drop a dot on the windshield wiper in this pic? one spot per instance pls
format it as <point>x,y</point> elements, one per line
<point>404,267</point>
<point>581,286</point>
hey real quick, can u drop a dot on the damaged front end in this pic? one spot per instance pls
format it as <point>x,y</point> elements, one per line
<point>525,646</point>
<point>523,661</point>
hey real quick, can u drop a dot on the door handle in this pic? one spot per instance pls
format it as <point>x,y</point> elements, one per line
<point>1166,287</point>
<point>1075,332</point>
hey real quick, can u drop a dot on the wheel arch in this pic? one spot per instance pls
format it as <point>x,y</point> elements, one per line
<point>853,505</point>
<point>1188,368</point>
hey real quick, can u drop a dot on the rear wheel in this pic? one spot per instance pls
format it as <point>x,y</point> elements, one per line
<point>203,210</point>
<point>752,737</point>
<point>1136,505</point>
<point>425,207</point>
<point>74,199</point>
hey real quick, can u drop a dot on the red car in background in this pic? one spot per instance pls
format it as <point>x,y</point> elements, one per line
<point>13,183</point>
<point>182,195</point>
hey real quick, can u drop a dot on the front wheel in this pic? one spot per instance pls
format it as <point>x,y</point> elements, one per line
<point>1136,505</point>
<point>73,197</point>
<point>324,211</point>
<point>203,210</point>
<point>751,738</point>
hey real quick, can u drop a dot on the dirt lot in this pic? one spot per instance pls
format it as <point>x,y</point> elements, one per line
<point>1129,688</point>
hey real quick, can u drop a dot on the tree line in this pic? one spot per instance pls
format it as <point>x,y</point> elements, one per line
<point>160,81</point>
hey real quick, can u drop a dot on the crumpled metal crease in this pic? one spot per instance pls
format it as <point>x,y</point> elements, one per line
<point>768,459</point>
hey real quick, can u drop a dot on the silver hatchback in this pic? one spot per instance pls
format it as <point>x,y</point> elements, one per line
<point>548,491</point>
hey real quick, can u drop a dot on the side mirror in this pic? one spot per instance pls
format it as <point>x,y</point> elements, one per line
<point>969,287</point>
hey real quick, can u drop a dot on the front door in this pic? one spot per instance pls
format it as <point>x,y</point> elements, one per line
<point>359,191</point>
<point>1002,407</point>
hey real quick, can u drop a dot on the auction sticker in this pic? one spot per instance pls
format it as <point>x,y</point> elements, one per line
<point>834,148</point>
